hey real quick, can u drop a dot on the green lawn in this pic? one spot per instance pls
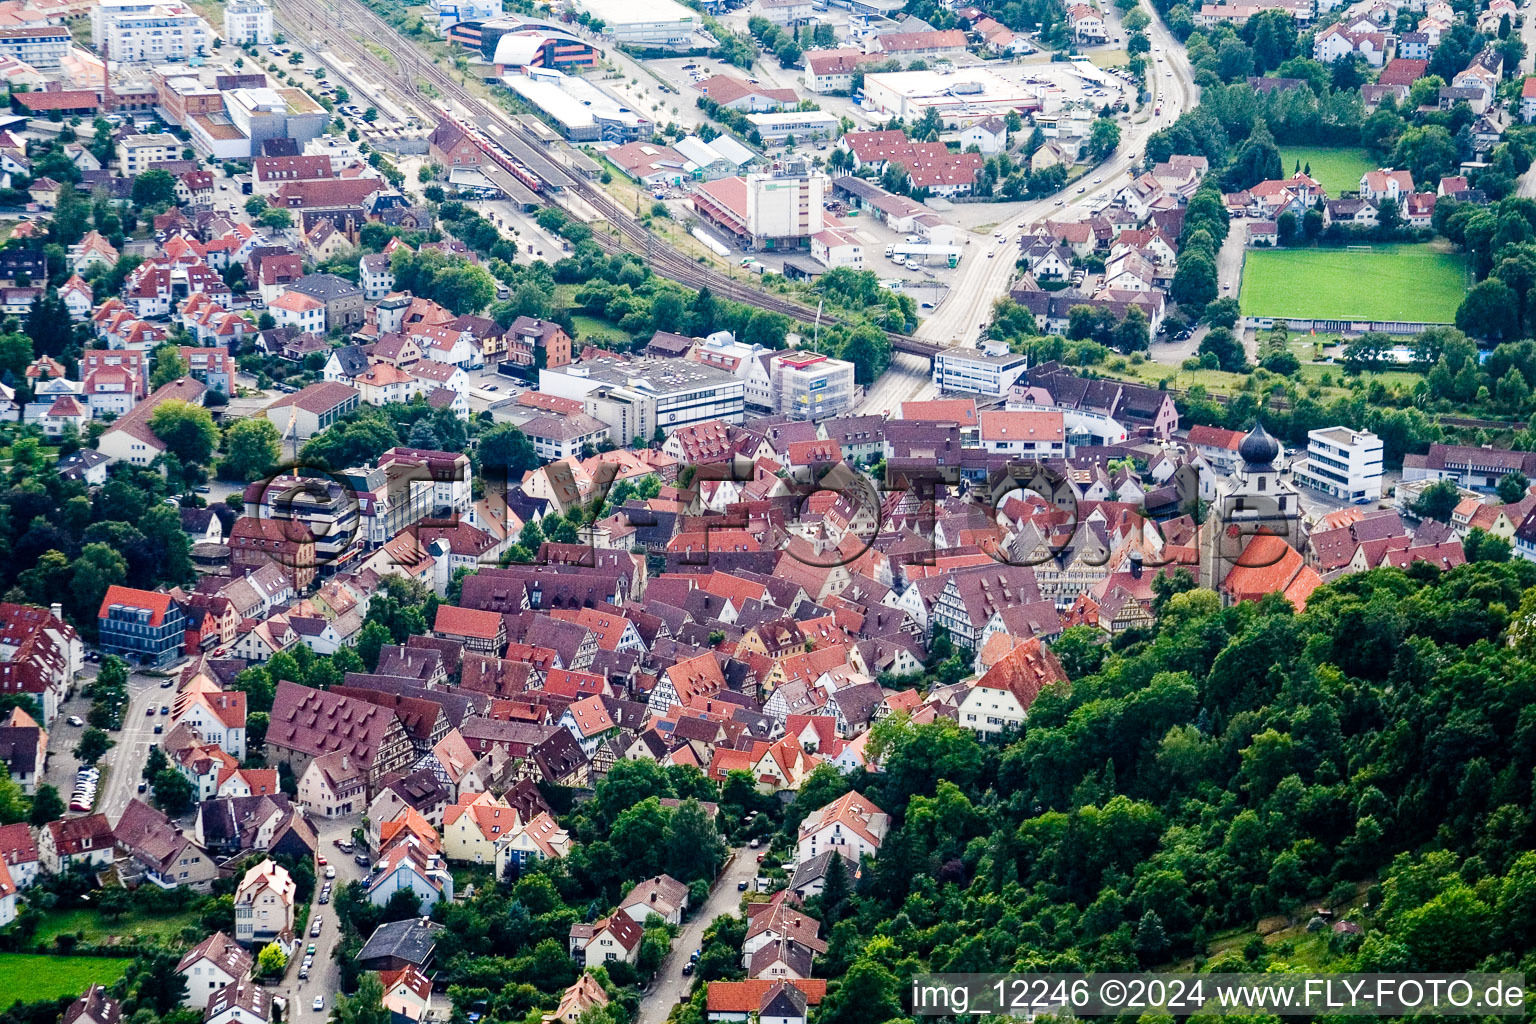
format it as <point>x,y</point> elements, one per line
<point>1390,282</point>
<point>98,929</point>
<point>589,328</point>
<point>1336,168</point>
<point>33,979</point>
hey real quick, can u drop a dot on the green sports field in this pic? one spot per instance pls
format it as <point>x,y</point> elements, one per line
<point>1390,282</point>
<point>1336,168</point>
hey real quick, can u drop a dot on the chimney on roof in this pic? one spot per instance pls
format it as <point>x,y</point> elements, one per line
<point>56,610</point>
<point>1135,565</point>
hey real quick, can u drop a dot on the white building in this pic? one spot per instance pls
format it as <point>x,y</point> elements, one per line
<point>36,46</point>
<point>851,824</point>
<point>808,386</point>
<point>638,397</point>
<point>962,97</point>
<point>137,153</point>
<point>659,23</point>
<point>722,351</point>
<point>451,12</point>
<point>137,30</point>
<point>264,903</point>
<point>248,21</point>
<point>977,372</point>
<point>785,207</point>
<point>801,125</point>
<point>1032,434</point>
<point>1342,462</point>
<point>836,247</point>
<point>785,13</point>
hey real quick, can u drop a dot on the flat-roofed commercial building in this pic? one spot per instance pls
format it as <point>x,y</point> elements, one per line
<point>646,23</point>
<point>1342,462</point>
<point>808,386</point>
<point>636,397</point>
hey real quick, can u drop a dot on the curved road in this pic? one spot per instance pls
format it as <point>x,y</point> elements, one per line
<point>981,282</point>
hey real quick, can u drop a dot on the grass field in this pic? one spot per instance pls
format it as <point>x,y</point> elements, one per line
<point>589,328</point>
<point>1336,168</point>
<point>33,979</point>
<point>1390,282</point>
<point>94,928</point>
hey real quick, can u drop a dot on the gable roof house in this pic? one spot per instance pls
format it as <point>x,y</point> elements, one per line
<point>1000,700</point>
<point>663,896</point>
<point>851,824</point>
<point>210,965</point>
<point>306,723</point>
<point>158,852</point>
<point>264,904</point>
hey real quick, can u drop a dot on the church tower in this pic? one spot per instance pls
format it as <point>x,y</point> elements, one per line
<point>1254,499</point>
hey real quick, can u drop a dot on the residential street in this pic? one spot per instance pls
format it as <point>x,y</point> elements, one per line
<point>672,987</point>
<point>125,760</point>
<point>324,976</point>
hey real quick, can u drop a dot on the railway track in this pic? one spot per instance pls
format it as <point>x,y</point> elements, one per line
<point>348,25</point>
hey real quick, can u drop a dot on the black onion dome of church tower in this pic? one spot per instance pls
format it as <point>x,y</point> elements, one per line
<point>1258,448</point>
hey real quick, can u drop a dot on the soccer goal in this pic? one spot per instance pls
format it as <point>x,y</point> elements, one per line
<point>1360,248</point>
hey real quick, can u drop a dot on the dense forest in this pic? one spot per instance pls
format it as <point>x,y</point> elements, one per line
<point>1372,755</point>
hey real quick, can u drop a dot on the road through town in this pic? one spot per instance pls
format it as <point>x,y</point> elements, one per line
<point>671,987</point>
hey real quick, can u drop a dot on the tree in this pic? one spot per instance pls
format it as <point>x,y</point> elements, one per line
<point>1490,310</point>
<point>364,1007</point>
<point>1220,342</point>
<point>1482,546</point>
<point>271,961</point>
<point>1222,313</point>
<point>276,217</point>
<point>154,764</point>
<point>694,849</point>
<point>173,792</point>
<point>370,641</point>
<point>47,805</point>
<point>92,746</point>
<point>895,179</point>
<point>1287,228</point>
<point>168,366</point>
<point>1436,501</point>
<point>186,429</point>
<point>1103,138</point>
<point>1194,281</point>
<point>252,447</point>
<point>1256,160</point>
<point>1133,333</point>
<point>1512,487</point>
<point>155,187</point>
<point>506,445</point>
<point>869,350</point>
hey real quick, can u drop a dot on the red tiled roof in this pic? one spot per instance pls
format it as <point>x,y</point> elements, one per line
<point>157,603</point>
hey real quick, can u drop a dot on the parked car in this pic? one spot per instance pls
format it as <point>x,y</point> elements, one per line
<point>687,968</point>
<point>159,728</point>
<point>330,871</point>
<point>314,926</point>
<point>165,684</point>
<point>75,721</point>
<point>755,843</point>
<point>360,859</point>
<point>319,1002</point>
<point>740,886</point>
